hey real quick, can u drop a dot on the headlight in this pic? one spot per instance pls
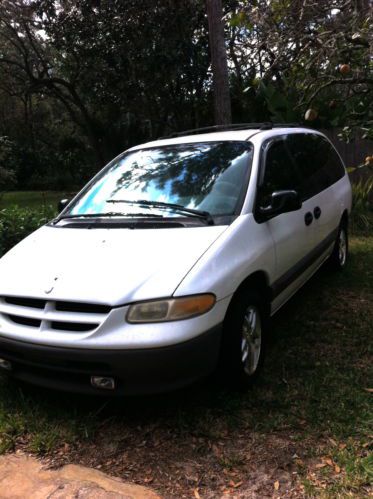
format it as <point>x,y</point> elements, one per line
<point>173,309</point>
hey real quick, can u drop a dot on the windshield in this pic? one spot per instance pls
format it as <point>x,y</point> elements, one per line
<point>208,177</point>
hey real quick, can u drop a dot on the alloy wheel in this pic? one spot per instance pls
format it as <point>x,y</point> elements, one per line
<point>251,340</point>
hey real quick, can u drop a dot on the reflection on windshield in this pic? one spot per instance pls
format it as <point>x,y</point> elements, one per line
<point>204,176</point>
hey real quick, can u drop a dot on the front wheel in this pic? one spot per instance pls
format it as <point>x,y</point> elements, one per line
<point>244,339</point>
<point>251,340</point>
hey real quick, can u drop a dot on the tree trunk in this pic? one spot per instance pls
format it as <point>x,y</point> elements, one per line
<point>363,6</point>
<point>222,99</point>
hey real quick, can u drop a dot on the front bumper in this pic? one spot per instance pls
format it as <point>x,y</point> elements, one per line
<point>135,371</point>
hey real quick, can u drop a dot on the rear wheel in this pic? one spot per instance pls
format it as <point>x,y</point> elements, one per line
<point>244,340</point>
<point>339,256</point>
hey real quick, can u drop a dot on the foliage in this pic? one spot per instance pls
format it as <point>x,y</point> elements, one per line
<point>82,80</point>
<point>308,55</point>
<point>90,71</point>
<point>8,164</point>
<point>17,223</point>
<point>362,209</point>
<point>362,197</point>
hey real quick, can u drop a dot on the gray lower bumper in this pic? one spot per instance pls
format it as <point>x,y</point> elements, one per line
<point>142,371</point>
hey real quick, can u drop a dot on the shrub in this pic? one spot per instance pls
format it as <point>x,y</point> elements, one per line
<point>362,211</point>
<point>8,163</point>
<point>17,223</point>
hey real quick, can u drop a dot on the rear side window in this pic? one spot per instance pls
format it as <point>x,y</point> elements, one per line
<point>279,171</point>
<point>332,162</point>
<point>317,162</point>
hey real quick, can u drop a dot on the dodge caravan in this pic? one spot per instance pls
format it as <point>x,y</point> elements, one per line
<point>171,260</point>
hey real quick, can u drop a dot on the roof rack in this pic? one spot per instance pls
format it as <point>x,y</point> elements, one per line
<point>237,126</point>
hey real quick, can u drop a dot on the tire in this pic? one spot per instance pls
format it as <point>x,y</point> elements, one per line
<point>338,258</point>
<point>244,340</point>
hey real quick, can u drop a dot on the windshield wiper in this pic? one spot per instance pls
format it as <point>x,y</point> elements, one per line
<point>109,214</point>
<point>175,207</point>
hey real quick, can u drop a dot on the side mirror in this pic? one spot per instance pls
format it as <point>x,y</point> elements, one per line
<point>281,202</point>
<point>62,204</point>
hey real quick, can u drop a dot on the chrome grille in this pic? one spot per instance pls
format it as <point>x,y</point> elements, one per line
<point>52,315</point>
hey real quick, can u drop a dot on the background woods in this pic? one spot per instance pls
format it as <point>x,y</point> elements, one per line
<point>81,80</point>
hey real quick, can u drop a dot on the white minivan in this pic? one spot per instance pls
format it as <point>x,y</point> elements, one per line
<point>171,260</point>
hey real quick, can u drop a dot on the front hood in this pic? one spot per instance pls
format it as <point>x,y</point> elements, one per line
<point>109,266</point>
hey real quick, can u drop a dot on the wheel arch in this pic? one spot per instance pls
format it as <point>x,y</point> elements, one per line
<point>257,281</point>
<point>344,218</point>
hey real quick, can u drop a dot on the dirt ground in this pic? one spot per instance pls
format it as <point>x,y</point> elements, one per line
<point>234,461</point>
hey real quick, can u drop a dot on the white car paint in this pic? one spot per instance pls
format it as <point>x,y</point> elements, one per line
<point>111,267</point>
<point>122,266</point>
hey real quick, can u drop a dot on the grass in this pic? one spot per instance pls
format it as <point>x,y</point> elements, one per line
<point>31,199</point>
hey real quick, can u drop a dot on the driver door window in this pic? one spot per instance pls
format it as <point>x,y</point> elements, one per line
<point>279,173</point>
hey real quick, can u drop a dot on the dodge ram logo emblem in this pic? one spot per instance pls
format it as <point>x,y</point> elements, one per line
<point>51,288</point>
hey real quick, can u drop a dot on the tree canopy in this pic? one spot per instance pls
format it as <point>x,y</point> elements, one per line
<point>82,80</point>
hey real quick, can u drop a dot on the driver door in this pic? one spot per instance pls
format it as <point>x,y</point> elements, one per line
<point>293,238</point>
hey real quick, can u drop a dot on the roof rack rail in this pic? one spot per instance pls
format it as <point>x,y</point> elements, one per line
<point>236,126</point>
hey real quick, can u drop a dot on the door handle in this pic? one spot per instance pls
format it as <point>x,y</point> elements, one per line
<point>308,217</point>
<point>317,212</point>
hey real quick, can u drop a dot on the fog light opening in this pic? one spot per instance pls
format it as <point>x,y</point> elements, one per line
<point>5,364</point>
<point>103,382</point>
